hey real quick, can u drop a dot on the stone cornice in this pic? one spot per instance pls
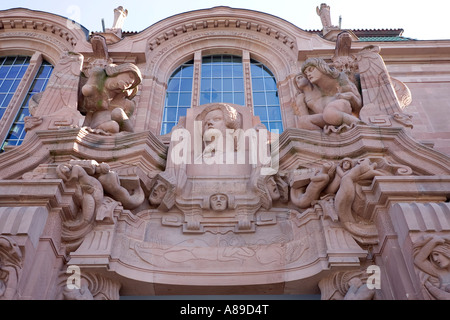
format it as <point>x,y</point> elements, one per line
<point>56,26</point>
<point>311,148</point>
<point>218,18</point>
<point>52,146</point>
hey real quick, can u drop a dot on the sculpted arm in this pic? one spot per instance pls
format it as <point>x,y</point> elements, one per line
<point>301,109</point>
<point>350,92</point>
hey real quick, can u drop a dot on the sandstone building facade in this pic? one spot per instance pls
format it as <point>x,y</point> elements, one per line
<point>222,151</point>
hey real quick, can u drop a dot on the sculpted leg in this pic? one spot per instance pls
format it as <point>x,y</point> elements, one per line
<point>339,112</point>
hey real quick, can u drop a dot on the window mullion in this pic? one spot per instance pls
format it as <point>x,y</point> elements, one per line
<point>247,80</point>
<point>197,78</point>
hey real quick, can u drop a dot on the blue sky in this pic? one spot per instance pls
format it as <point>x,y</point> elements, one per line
<point>423,20</point>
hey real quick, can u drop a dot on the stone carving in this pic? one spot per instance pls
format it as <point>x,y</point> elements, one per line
<point>216,119</point>
<point>270,188</point>
<point>380,92</point>
<point>213,146</point>
<point>130,199</point>
<point>119,17</point>
<point>91,286</point>
<point>108,95</point>
<point>324,13</point>
<point>347,285</point>
<point>89,193</point>
<point>91,181</point>
<point>218,202</point>
<point>352,89</point>
<point>326,97</point>
<point>432,257</point>
<point>337,188</point>
<point>163,191</point>
<point>346,196</point>
<point>10,267</point>
<point>305,189</point>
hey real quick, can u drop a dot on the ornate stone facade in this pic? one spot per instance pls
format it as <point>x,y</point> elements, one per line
<point>350,201</point>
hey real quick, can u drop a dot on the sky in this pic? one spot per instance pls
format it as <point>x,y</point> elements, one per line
<point>422,20</point>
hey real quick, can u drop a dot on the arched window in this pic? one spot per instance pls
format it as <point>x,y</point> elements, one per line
<point>222,79</point>
<point>12,70</point>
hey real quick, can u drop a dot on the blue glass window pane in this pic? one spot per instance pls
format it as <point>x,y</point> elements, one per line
<point>274,113</point>
<point>217,96</point>
<point>272,98</point>
<point>167,127</point>
<point>13,72</point>
<point>15,85</point>
<point>170,114</point>
<point>38,85</point>
<point>6,85</point>
<point>270,84</point>
<point>185,99</point>
<point>216,71</point>
<point>227,71</point>
<point>259,98</point>
<point>205,97</point>
<point>174,85</point>
<point>238,84</point>
<point>261,112</point>
<point>257,84</point>
<point>217,84</point>
<point>237,71</point>
<point>186,84</point>
<point>182,112</point>
<point>7,99</point>
<point>188,71</point>
<point>228,97</point>
<point>3,72</point>
<point>22,71</point>
<point>227,84</point>
<point>256,71</point>
<point>172,99</point>
<point>239,98</point>
<point>206,71</point>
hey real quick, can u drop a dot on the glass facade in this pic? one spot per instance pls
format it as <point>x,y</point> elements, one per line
<point>223,80</point>
<point>17,131</point>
